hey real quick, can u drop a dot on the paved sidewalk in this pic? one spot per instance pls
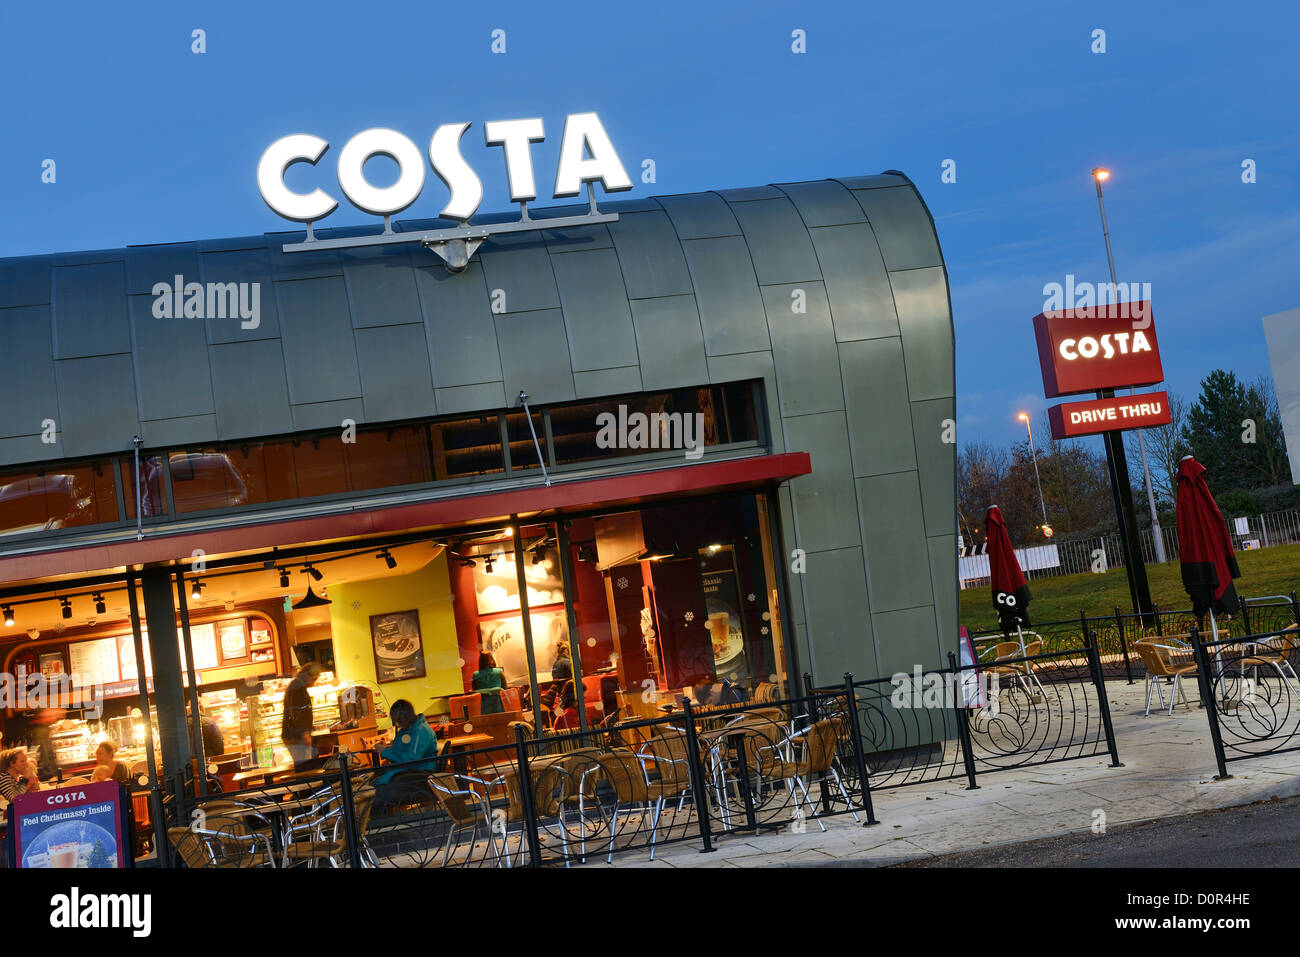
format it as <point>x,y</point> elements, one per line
<point>1168,770</point>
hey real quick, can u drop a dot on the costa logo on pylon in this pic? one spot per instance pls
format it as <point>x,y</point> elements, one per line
<point>1097,348</point>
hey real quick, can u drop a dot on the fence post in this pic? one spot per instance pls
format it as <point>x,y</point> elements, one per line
<point>349,812</point>
<point>1207,696</point>
<point>855,736</point>
<point>161,843</point>
<point>526,799</point>
<point>1245,615</point>
<point>1295,607</point>
<point>1155,611</point>
<point>1123,642</point>
<point>1099,682</point>
<point>696,772</point>
<point>963,729</point>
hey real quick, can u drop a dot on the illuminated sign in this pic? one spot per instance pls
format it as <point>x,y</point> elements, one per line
<point>1085,350</point>
<point>1071,419</point>
<point>586,156</point>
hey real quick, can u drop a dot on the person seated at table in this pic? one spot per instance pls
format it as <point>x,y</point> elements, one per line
<point>16,774</point>
<point>489,681</point>
<point>108,768</point>
<point>413,740</point>
<point>566,713</point>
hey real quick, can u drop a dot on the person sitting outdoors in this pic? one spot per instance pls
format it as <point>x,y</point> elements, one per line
<point>489,681</point>
<point>16,774</point>
<point>566,713</point>
<point>413,740</point>
<point>107,767</point>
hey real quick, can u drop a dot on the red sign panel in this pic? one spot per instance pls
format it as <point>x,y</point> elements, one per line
<point>1070,419</point>
<point>79,825</point>
<point>1103,347</point>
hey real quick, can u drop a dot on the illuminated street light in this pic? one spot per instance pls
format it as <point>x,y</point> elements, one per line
<point>1101,174</point>
<point>1047,529</point>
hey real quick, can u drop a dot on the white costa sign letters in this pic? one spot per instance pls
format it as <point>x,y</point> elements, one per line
<point>586,156</point>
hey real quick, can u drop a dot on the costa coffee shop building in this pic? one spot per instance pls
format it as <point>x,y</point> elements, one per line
<point>363,445</point>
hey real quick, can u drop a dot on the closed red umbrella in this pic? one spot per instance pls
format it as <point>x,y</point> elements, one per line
<point>1204,545</point>
<point>1010,593</point>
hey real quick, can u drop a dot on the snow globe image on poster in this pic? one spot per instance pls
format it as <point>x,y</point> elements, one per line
<point>72,844</point>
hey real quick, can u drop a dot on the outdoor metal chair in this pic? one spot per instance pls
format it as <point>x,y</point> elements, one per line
<point>628,775</point>
<point>817,757</point>
<point>225,834</point>
<point>1275,653</point>
<point>1007,662</point>
<point>326,837</point>
<point>1159,668</point>
<point>467,809</point>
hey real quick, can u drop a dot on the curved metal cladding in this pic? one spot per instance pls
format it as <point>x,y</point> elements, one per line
<point>834,293</point>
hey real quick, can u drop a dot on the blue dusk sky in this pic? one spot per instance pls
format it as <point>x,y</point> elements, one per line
<point>154,143</point>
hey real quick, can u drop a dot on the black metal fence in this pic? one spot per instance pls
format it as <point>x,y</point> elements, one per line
<point>691,776</point>
<point>1115,635</point>
<point>1009,711</point>
<point>1251,694</point>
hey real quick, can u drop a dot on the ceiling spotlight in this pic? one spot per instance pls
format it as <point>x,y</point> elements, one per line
<point>314,572</point>
<point>9,617</point>
<point>196,590</point>
<point>539,554</point>
<point>67,607</point>
<point>284,578</point>
<point>388,558</point>
<point>100,607</point>
<point>487,564</point>
<point>587,553</point>
<point>467,563</point>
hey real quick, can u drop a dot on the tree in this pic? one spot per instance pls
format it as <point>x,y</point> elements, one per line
<point>1270,459</point>
<point>1214,431</point>
<point>1165,449</point>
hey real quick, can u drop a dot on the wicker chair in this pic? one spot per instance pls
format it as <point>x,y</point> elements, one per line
<point>1159,668</point>
<point>816,745</point>
<point>325,838</point>
<point>1276,653</point>
<point>1006,663</point>
<point>629,777</point>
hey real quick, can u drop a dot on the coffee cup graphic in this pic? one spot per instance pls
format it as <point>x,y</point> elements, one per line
<point>70,854</point>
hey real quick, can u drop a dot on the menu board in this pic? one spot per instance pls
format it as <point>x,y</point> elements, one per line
<point>95,661</point>
<point>203,639</point>
<point>126,654</point>
<point>234,641</point>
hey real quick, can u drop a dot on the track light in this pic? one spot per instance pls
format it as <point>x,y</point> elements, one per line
<point>539,553</point>
<point>9,617</point>
<point>587,553</point>
<point>314,572</point>
<point>467,563</point>
<point>100,607</point>
<point>284,578</point>
<point>196,590</point>
<point>487,564</point>
<point>388,558</point>
<point>67,607</point>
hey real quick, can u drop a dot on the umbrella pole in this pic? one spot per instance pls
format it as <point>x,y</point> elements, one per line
<point>1218,655</point>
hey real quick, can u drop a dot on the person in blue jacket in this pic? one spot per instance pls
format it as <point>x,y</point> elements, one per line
<point>413,739</point>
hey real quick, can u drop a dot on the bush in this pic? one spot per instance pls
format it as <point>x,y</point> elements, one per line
<point>1237,503</point>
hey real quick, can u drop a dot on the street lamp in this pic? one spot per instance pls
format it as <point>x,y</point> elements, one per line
<point>1047,529</point>
<point>1100,175</point>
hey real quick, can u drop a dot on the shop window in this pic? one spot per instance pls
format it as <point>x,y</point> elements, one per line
<point>152,499</point>
<point>653,422</point>
<point>466,447</point>
<point>523,454</point>
<point>64,497</point>
<point>387,457</point>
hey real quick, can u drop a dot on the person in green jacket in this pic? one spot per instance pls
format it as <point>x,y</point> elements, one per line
<point>413,739</point>
<point>490,681</point>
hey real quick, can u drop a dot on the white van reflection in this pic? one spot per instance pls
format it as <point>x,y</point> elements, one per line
<point>203,480</point>
<point>42,503</point>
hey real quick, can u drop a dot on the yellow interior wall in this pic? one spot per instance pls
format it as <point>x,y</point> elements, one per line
<point>429,592</point>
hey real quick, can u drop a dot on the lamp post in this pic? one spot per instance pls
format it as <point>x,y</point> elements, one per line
<point>1047,529</point>
<point>1099,175</point>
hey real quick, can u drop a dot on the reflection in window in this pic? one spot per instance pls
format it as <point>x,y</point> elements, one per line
<point>41,500</point>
